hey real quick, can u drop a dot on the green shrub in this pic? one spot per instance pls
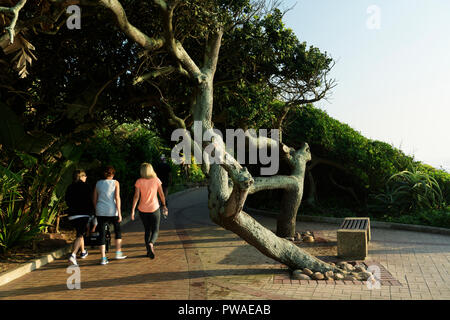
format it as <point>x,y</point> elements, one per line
<point>442,178</point>
<point>125,148</point>
<point>196,173</point>
<point>409,191</point>
<point>18,225</point>
<point>180,178</point>
<point>368,163</point>
<point>368,167</point>
<point>433,218</point>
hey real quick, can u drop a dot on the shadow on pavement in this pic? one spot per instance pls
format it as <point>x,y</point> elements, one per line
<point>134,280</point>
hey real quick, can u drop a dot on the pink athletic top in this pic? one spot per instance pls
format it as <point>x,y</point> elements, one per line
<point>149,194</point>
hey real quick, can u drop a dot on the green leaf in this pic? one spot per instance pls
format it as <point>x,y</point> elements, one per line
<point>13,135</point>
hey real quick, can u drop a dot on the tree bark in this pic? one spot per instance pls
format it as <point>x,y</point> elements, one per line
<point>286,220</point>
<point>312,193</point>
<point>225,203</point>
<point>292,197</point>
<point>230,183</point>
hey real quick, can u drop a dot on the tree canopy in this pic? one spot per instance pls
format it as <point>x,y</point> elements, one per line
<point>168,63</point>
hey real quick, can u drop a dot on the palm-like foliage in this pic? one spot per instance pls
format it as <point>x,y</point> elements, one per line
<point>408,191</point>
<point>17,224</point>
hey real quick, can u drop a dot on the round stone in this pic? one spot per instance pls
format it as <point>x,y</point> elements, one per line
<point>342,269</point>
<point>329,274</point>
<point>299,275</point>
<point>350,277</point>
<point>303,277</point>
<point>318,276</point>
<point>297,272</point>
<point>360,268</point>
<point>308,272</point>
<point>332,264</point>
<point>365,275</point>
<point>338,276</point>
<point>349,267</point>
<point>309,239</point>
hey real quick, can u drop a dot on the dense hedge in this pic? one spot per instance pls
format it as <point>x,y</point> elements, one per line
<point>389,185</point>
<point>369,163</point>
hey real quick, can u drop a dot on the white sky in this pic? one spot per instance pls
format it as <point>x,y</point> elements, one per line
<point>393,82</point>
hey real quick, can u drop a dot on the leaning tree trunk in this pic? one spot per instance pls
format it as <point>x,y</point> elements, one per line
<point>225,204</point>
<point>229,182</point>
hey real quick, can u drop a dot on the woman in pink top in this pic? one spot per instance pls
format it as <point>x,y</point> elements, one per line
<point>146,192</point>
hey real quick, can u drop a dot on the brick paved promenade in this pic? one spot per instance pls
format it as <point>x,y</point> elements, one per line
<point>195,259</point>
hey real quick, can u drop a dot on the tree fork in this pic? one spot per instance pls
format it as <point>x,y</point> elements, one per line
<point>229,183</point>
<point>250,230</point>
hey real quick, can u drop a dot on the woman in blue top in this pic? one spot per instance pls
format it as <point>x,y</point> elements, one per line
<point>107,208</point>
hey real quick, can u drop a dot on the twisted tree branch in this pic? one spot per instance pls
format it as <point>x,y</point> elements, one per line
<point>175,47</point>
<point>131,31</point>
<point>14,12</point>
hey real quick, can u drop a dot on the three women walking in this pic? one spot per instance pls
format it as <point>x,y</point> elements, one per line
<point>106,201</point>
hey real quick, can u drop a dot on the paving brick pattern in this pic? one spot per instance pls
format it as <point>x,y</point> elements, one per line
<point>196,259</point>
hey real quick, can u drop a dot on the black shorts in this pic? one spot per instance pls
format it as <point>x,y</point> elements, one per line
<point>80,225</point>
<point>101,227</point>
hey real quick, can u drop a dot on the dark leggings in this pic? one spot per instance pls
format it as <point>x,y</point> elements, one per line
<point>151,226</point>
<point>101,227</point>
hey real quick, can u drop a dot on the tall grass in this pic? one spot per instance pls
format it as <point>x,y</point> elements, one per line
<point>409,191</point>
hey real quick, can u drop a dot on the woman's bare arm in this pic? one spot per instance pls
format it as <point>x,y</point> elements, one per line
<point>95,197</point>
<point>135,201</point>
<point>118,204</point>
<point>161,195</point>
<point>163,201</point>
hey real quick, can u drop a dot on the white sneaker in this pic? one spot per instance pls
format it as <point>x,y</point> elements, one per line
<point>119,255</point>
<point>73,260</point>
<point>104,261</point>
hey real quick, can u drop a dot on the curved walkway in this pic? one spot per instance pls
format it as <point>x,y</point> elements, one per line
<point>196,259</point>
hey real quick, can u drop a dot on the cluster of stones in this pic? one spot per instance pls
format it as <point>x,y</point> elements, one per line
<point>349,272</point>
<point>307,236</point>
